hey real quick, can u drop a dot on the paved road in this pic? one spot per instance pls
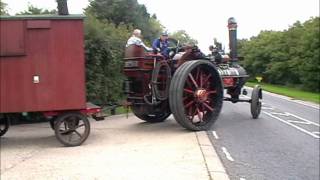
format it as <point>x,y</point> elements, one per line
<point>283,144</point>
<point>117,149</point>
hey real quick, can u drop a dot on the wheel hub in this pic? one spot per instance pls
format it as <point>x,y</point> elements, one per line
<point>201,95</point>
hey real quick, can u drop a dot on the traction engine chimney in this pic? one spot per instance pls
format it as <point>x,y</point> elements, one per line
<point>232,26</point>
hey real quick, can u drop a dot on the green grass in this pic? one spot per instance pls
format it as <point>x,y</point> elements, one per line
<point>288,91</point>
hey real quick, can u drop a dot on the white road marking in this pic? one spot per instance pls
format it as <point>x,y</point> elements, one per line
<point>280,114</point>
<point>267,108</point>
<point>242,179</point>
<point>214,133</point>
<point>316,132</point>
<point>293,125</point>
<point>228,155</point>
<point>316,124</point>
<point>299,122</point>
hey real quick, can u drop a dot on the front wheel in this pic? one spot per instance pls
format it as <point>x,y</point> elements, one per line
<point>196,95</point>
<point>256,103</point>
<point>72,128</point>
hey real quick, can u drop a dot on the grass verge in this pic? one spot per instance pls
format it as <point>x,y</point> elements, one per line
<point>288,91</point>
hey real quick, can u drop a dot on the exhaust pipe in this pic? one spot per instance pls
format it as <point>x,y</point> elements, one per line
<point>62,7</point>
<point>232,26</point>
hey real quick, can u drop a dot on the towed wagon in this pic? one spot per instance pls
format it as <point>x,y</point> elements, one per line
<point>42,74</point>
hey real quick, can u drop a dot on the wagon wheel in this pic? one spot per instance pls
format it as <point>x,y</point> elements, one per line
<point>52,122</point>
<point>72,129</point>
<point>196,95</point>
<point>4,125</point>
<point>150,113</point>
<point>256,104</point>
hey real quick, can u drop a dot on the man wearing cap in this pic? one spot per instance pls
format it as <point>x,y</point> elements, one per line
<point>161,45</point>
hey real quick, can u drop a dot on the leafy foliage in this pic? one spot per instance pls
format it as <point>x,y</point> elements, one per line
<point>289,57</point>
<point>3,8</point>
<point>183,37</point>
<point>128,12</point>
<point>33,10</point>
<point>104,45</point>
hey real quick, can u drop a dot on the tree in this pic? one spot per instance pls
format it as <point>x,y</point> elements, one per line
<point>128,12</point>
<point>183,37</point>
<point>289,57</point>
<point>33,10</point>
<point>104,47</point>
<point>3,8</point>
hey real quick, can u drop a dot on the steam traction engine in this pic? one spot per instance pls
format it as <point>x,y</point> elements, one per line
<point>188,84</point>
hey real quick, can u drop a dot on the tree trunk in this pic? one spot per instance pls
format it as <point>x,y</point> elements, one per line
<point>62,7</point>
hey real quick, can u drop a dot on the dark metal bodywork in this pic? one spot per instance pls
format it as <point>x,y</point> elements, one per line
<point>196,97</point>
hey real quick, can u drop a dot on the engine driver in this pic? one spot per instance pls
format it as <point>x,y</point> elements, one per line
<point>161,45</point>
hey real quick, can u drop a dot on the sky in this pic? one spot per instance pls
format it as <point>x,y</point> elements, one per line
<point>205,20</point>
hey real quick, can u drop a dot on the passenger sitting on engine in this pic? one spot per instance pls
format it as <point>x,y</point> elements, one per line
<point>161,45</point>
<point>135,39</point>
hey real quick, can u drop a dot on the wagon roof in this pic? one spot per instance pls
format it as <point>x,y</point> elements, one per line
<point>47,16</point>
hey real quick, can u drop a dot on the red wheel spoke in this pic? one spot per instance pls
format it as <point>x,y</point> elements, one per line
<point>206,79</point>
<point>211,92</point>
<point>207,106</point>
<point>197,74</point>
<point>193,81</point>
<point>189,104</point>
<point>188,91</point>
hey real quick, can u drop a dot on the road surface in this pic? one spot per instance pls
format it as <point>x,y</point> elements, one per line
<point>283,144</point>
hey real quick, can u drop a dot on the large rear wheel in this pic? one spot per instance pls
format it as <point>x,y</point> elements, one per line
<point>196,95</point>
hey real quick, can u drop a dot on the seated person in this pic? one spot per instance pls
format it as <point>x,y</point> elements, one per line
<point>135,39</point>
<point>161,45</point>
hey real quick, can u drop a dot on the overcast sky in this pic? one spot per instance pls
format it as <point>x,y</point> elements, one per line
<point>207,19</point>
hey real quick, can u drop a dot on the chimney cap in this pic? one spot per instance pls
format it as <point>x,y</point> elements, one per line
<point>232,20</point>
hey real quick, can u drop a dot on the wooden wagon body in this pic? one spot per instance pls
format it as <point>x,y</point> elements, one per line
<point>42,74</point>
<point>41,63</point>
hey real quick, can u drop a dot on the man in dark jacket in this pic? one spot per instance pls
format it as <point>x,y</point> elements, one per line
<point>161,45</point>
